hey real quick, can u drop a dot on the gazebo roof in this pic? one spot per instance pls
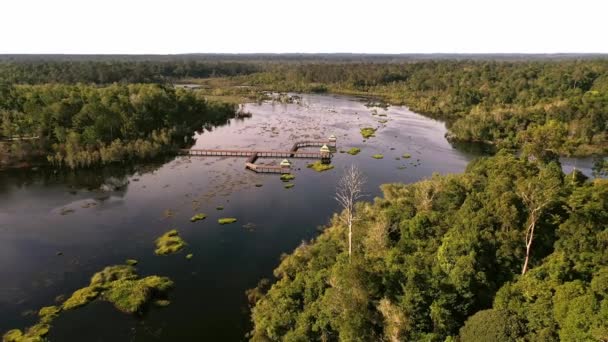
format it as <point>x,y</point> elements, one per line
<point>325,149</point>
<point>285,162</point>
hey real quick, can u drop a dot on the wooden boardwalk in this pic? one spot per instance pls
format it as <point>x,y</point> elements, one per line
<point>253,155</point>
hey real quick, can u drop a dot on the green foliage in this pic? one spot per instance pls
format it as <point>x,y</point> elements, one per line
<point>354,151</point>
<point>491,326</point>
<point>169,243</point>
<point>130,296</point>
<point>287,177</point>
<point>441,259</point>
<point>319,166</point>
<point>378,156</point>
<point>289,185</point>
<point>368,132</point>
<point>118,284</point>
<point>226,220</point>
<point>81,126</point>
<point>198,217</point>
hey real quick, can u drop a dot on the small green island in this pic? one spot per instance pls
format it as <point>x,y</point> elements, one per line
<point>226,220</point>
<point>169,243</point>
<point>198,217</point>
<point>378,156</point>
<point>368,132</point>
<point>354,151</point>
<point>319,166</point>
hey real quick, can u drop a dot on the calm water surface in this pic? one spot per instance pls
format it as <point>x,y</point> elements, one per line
<point>43,213</point>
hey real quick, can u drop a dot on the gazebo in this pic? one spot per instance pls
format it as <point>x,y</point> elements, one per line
<point>285,163</point>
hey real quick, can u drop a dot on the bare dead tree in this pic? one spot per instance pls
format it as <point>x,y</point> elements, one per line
<point>348,192</point>
<point>536,194</point>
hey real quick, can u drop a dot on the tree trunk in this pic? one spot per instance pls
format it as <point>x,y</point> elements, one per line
<point>350,236</point>
<point>528,247</point>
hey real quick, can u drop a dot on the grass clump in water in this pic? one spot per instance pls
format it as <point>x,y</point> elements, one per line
<point>378,156</point>
<point>354,151</point>
<point>289,185</point>
<point>368,132</point>
<point>226,220</point>
<point>48,313</point>
<point>131,296</point>
<point>320,166</point>
<point>117,284</point>
<point>406,155</point>
<point>81,297</point>
<point>189,256</point>
<point>169,243</point>
<point>287,177</point>
<point>219,207</point>
<point>198,217</point>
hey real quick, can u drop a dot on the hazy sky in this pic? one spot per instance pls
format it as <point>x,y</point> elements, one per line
<point>375,26</point>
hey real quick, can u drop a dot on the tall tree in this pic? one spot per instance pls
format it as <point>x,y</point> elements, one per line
<point>348,193</point>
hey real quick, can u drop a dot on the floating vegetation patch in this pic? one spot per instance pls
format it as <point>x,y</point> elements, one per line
<point>378,156</point>
<point>226,220</point>
<point>162,303</point>
<point>354,151</point>
<point>198,217</point>
<point>219,207</point>
<point>383,121</point>
<point>117,284</point>
<point>169,243</point>
<point>189,256</point>
<point>287,177</point>
<point>320,166</point>
<point>289,185</point>
<point>131,262</point>
<point>406,155</point>
<point>368,132</point>
<point>401,167</point>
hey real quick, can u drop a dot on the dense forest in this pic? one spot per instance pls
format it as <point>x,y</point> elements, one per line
<point>442,260</point>
<point>80,125</point>
<point>502,100</point>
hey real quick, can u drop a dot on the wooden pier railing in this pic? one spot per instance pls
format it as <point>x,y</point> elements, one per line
<point>254,155</point>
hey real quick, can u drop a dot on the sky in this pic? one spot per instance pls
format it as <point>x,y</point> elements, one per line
<point>308,26</point>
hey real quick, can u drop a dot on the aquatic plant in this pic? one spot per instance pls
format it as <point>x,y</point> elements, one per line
<point>320,166</point>
<point>113,273</point>
<point>368,132</point>
<point>130,296</point>
<point>354,151</point>
<point>189,256</point>
<point>116,284</point>
<point>289,185</point>
<point>198,217</point>
<point>219,207</point>
<point>378,156</point>
<point>406,155</point>
<point>287,177</point>
<point>226,220</point>
<point>169,243</point>
<point>162,302</point>
<point>131,262</point>
<point>81,297</point>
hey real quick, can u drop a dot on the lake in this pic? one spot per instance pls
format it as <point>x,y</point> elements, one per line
<point>58,228</point>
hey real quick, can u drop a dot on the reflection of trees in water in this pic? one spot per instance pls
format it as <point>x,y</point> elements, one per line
<point>110,178</point>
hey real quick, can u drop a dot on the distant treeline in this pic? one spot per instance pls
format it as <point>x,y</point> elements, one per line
<point>504,103</point>
<point>80,126</point>
<point>123,71</point>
